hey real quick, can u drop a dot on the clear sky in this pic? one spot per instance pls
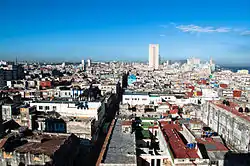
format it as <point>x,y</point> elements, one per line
<point>71,30</point>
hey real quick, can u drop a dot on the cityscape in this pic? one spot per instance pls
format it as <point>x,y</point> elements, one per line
<point>71,98</point>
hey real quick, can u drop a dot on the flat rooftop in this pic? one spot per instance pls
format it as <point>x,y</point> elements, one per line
<point>176,141</point>
<point>42,144</point>
<point>121,149</point>
<point>212,144</point>
<point>65,100</point>
<point>127,92</point>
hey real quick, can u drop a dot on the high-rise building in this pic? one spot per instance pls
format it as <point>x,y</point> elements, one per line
<point>89,62</point>
<point>11,72</point>
<point>154,56</point>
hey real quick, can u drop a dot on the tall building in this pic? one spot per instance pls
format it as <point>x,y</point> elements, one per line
<point>11,72</point>
<point>193,61</point>
<point>154,56</point>
<point>89,62</point>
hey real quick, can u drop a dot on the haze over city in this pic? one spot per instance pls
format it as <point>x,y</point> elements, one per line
<point>121,30</point>
<point>124,83</point>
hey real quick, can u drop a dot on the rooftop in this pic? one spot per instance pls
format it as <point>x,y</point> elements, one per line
<point>135,93</point>
<point>232,109</point>
<point>48,147</point>
<point>176,141</point>
<point>147,124</point>
<point>212,144</point>
<point>121,149</point>
<point>64,100</point>
<point>143,134</point>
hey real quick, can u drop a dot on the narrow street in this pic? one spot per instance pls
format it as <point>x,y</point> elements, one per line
<point>94,153</point>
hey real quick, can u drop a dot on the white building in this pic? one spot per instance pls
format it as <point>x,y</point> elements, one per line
<point>227,121</point>
<point>69,108</point>
<point>133,98</point>
<point>154,54</point>
<point>89,62</point>
<point>193,61</point>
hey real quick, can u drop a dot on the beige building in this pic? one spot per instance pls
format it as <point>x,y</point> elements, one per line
<point>154,56</point>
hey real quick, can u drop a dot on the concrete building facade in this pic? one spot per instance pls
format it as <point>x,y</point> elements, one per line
<point>154,54</point>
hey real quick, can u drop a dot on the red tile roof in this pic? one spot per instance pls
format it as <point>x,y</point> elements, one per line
<point>232,109</point>
<point>126,123</point>
<point>176,143</point>
<point>2,142</point>
<point>212,144</point>
<point>175,111</point>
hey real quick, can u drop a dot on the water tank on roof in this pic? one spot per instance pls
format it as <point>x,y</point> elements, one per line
<point>240,109</point>
<point>247,110</point>
<point>224,101</point>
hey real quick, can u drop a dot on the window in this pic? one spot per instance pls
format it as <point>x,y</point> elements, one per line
<point>46,107</point>
<point>158,162</point>
<point>56,126</point>
<point>61,126</point>
<point>54,108</point>
<point>65,93</point>
<point>126,98</point>
<point>152,162</point>
<point>5,111</point>
<point>40,107</point>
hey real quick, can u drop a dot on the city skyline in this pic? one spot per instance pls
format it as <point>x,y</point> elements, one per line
<point>63,31</point>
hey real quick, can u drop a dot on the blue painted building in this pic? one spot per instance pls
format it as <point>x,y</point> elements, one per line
<point>131,79</point>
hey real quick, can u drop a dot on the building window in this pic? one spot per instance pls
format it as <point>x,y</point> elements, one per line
<point>126,98</point>
<point>158,162</point>
<point>40,107</point>
<point>54,108</point>
<point>46,107</point>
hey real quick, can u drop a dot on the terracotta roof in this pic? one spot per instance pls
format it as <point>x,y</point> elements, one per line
<point>176,143</point>
<point>2,142</point>
<point>232,109</point>
<point>174,111</point>
<point>126,123</point>
<point>212,144</point>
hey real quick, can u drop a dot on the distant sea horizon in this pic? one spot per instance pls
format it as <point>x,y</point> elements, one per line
<point>234,68</point>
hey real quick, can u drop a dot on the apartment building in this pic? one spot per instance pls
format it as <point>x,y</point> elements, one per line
<point>230,122</point>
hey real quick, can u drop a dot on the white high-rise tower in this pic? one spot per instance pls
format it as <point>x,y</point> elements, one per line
<point>89,62</point>
<point>154,56</point>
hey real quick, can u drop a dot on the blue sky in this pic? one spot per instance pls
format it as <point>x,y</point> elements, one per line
<point>121,30</point>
